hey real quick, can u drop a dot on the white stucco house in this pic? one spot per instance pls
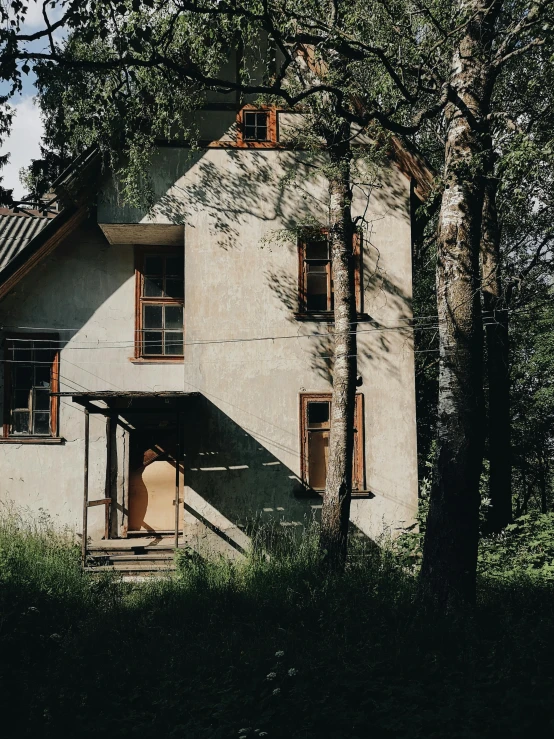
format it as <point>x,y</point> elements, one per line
<point>188,346</point>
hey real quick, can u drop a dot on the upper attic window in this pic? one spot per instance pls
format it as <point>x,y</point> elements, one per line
<point>256,125</point>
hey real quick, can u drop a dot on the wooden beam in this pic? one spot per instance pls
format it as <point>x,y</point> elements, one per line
<point>85,489</point>
<point>108,481</point>
<point>177,480</point>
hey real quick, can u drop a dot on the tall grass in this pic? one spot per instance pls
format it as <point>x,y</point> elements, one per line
<point>272,645</point>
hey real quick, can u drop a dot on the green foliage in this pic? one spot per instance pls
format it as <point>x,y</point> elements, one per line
<point>526,547</point>
<point>270,646</point>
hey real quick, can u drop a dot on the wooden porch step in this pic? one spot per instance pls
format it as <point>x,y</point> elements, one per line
<point>116,558</point>
<point>130,569</point>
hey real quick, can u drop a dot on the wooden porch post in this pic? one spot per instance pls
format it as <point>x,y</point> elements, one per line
<point>85,489</point>
<point>177,464</point>
<point>108,487</point>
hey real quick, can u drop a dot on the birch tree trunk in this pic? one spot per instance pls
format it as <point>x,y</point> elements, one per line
<point>498,370</point>
<point>449,564</point>
<point>338,492</point>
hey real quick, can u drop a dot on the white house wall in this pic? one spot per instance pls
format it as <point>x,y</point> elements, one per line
<point>238,209</point>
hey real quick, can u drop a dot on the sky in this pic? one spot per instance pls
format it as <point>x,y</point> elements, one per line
<point>23,144</point>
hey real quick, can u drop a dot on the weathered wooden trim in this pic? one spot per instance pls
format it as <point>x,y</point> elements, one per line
<point>358,471</point>
<point>85,489</point>
<point>177,499</point>
<point>100,501</point>
<point>303,314</point>
<point>358,251</point>
<point>32,440</point>
<point>54,399</point>
<point>54,388</point>
<point>328,317</point>
<point>141,250</point>
<point>152,360</point>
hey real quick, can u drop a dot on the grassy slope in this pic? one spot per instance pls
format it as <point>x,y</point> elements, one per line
<point>190,657</point>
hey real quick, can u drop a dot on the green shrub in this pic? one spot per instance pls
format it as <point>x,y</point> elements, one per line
<point>272,645</point>
<point>525,547</point>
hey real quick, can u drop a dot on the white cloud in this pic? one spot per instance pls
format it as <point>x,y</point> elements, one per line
<point>23,143</point>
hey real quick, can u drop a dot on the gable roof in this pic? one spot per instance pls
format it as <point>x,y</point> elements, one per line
<point>26,245</point>
<point>17,229</point>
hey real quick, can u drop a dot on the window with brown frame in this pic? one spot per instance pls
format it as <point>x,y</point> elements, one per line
<point>31,373</point>
<point>315,426</point>
<point>257,126</point>
<point>315,282</point>
<point>160,283</point>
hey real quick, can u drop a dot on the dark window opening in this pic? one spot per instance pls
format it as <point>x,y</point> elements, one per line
<point>315,281</point>
<point>30,376</point>
<point>255,126</point>
<point>316,278</point>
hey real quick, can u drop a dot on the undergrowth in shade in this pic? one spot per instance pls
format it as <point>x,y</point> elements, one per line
<point>269,647</point>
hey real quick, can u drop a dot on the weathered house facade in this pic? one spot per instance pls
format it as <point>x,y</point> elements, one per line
<point>188,346</point>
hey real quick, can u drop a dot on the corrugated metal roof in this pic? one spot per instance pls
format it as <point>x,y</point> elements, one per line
<point>17,228</point>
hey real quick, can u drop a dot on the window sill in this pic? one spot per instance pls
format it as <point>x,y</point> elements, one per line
<point>152,360</point>
<point>327,317</point>
<point>307,492</point>
<point>32,440</point>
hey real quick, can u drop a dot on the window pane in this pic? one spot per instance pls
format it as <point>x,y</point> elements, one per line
<point>152,342</point>
<point>174,266</point>
<point>318,452</point>
<point>153,287</point>
<point>21,398</point>
<point>174,342</point>
<point>316,298</point>
<point>42,375</point>
<point>317,249</point>
<point>41,423</point>
<point>255,126</point>
<point>318,414</point>
<point>174,288</point>
<point>23,351</point>
<point>20,423</point>
<point>152,316</point>
<point>42,400</point>
<point>23,376</point>
<point>173,316</point>
<point>153,265</point>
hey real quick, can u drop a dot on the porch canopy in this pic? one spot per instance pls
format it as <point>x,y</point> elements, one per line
<point>125,401</point>
<point>117,406</point>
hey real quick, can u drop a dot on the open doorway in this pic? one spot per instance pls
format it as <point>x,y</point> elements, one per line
<point>152,478</point>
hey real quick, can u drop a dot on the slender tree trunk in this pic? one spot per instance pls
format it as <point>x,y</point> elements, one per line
<point>498,370</point>
<point>542,481</point>
<point>336,501</point>
<point>449,564</point>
